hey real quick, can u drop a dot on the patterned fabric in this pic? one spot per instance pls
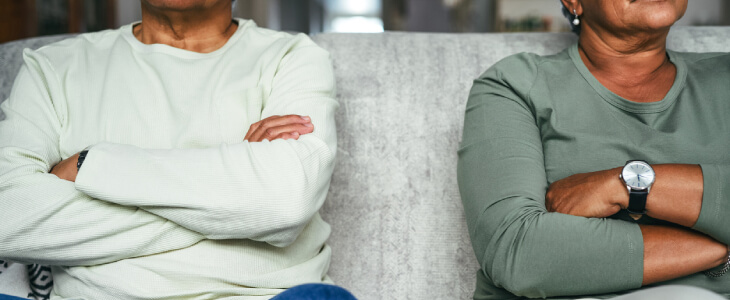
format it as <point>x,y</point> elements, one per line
<point>41,282</point>
<point>40,278</point>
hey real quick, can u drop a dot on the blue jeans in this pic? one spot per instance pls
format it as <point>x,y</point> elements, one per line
<point>312,291</point>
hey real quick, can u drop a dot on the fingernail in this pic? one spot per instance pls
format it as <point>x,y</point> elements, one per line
<point>295,134</point>
<point>306,119</point>
<point>308,125</point>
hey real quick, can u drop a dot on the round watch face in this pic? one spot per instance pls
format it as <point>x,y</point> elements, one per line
<point>638,175</point>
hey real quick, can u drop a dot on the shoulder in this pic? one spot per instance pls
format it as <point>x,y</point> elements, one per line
<point>702,58</point>
<point>528,65</point>
<point>712,62</point>
<point>66,53</point>
<point>705,71</point>
<point>520,71</point>
<point>276,41</point>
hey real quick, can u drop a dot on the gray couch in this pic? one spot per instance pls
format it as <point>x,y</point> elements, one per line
<point>398,225</point>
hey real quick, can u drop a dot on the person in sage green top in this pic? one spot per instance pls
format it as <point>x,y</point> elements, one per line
<point>547,137</point>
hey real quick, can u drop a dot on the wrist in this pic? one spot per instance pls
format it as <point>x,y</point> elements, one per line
<point>723,263</point>
<point>724,257</point>
<point>618,189</point>
<point>81,158</point>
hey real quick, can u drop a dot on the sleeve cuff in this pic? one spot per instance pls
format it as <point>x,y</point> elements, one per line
<point>711,220</point>
<point>92,174</point>
<point>635,259</point>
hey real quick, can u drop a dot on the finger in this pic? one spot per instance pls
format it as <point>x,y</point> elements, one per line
<point>272,133</point>
<point>287,136</point>
<point>275,121</point>
<point>251,130</point>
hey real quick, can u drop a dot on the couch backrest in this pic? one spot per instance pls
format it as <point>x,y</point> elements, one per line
<point>398,225</point>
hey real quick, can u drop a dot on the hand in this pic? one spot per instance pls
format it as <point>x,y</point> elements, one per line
<point>592,195</point>
<point>67,169</point>
<point>279,127</point>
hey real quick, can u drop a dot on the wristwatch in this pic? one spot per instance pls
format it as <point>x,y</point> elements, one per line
<point>638,176</point>
<point>82,157</point>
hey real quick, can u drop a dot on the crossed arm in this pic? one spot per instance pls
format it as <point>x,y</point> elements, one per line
<point>272,128</point>
<point>59,222</point>
<point>676,196</point>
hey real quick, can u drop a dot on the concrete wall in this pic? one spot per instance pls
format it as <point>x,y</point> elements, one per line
<point>128,11</point>
<point>705,12</point>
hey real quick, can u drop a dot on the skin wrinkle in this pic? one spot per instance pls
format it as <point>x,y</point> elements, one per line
<point>200,25</point>
<point>628,54</point>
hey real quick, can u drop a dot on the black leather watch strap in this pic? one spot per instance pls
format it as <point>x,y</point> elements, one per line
<point>82,156</point>
<point>637,202</point>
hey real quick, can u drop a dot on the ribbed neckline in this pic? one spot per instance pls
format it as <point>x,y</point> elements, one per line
<point>628,105</point>
<point>128,35</point>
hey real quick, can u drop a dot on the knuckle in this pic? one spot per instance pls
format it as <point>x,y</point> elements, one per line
<point>269,132</point>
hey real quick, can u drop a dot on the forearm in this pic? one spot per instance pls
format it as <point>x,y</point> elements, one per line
<point>550,254</point>
<point>45,220</point>
<point>676,195</point>
<point>673,252</point>
<point>247,190</point>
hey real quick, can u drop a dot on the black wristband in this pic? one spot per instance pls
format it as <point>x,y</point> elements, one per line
<point>82,156</point>
<point>637,202</point>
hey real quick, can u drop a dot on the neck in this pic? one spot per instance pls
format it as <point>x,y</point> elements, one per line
<point>634,66</point>
<point>633,55</point>
<point>198,30</point>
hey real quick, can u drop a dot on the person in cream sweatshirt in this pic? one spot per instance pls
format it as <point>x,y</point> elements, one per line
<point>185,156</point>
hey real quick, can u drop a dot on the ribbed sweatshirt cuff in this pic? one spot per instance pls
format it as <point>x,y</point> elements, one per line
<point>94,172</point>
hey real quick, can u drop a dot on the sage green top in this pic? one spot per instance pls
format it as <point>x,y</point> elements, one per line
<point>532,120</point>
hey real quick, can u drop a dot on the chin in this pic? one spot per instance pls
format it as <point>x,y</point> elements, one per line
<point>181,5</point>
<point>659,20</point>
<point>658,14</point>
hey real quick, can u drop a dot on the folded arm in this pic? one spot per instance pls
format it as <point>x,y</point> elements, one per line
<point>45,219</point>
<point>676,196</point>
<point>266,191</point>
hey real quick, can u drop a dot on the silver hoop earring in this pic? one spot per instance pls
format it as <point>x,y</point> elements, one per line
<point>576,21</point>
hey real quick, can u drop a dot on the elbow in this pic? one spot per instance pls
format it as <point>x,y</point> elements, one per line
<point>523,266</point>
<point>279,226</point>
<point>292,221</point>
<point>522,283</point>
<point>514,259</point>
<point>297,209</point>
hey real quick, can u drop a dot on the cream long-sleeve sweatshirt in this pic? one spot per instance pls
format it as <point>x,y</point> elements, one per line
<point>170,203</point>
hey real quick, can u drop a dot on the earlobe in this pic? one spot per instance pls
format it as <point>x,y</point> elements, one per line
<point>573,6</point>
